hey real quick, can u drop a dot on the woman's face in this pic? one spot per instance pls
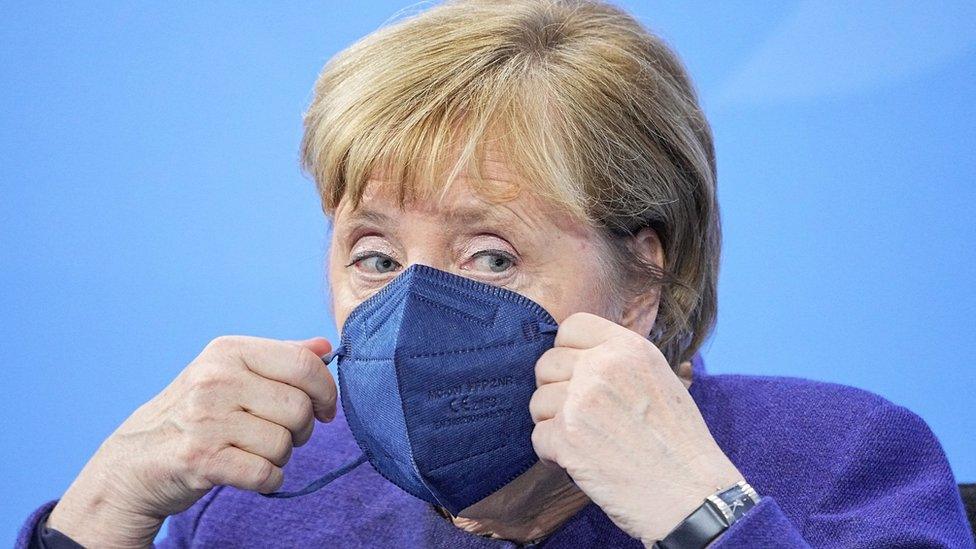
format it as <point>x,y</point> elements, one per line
<point>523,245</point>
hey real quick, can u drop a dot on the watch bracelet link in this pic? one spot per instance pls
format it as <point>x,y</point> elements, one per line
<point>711,518</point>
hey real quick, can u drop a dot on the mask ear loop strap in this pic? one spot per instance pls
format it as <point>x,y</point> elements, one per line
<point>316,485</point>
<point>546,328</point>
<point>329,357</point>
<point>321,482</point>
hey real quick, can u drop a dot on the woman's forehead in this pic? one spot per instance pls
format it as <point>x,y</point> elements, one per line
<point>496,195</point>
<point>495,169</point>
<point>460,205</point>
<point>459,201</point>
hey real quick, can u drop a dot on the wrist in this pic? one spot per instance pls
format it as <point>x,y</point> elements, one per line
<point>710,519</point>
<point>93,514</point>
<point>704,478</point>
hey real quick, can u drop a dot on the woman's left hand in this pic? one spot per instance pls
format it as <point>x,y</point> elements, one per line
<point>610,411</point>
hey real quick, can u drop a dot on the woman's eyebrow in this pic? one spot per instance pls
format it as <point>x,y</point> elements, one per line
<point>364,218</point>
<point>465,216</point>
<point>365,215</point>
<point>479,215</point>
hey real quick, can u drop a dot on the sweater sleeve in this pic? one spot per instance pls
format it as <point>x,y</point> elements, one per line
<point>891,487</point>
<point>26,537</point>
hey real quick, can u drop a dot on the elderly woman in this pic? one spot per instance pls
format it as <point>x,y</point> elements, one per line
<point>523,266</point>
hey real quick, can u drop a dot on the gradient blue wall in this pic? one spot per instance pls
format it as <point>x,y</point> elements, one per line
<point>151,201</point>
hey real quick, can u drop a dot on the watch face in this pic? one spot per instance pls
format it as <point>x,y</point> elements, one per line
<point>737,507</point>
<point>738,501</point>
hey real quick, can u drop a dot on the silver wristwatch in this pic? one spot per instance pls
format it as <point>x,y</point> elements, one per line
<point>714,516</point>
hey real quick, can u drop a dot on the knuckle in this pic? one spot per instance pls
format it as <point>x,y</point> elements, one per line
<point>590,399</point>
<point>576,316</point>
<point>539,443</point>
<point>570,322</point>
<point>573,409</point>
<point>276,480</point>
<point>197,482</point>
<point>303,410</point>
<point>544,360</point>
<point>263,475</point>
<point>537,435</point>
<point>229,346</point>
<point>551,365</point>
<point>224,343</point>
<point>306,364</point>
<point>638,342</point>
<point>573,428</point>
<point>632,345</point>
<point>303,435</point>
<point>193,473</point>
<point>282,447</point>
<point>193,457</point>
<point>604,367</point>
<point>203,397</point>
<point>580,319</point>
<point>206,383</point>
<point>534,406</point>
<point>655,352</point>
<point>581,404</point>
<point>547,355</point>
<point>207,378</point>
<point>197,408</point>
<point>303,432</point>
<point>540,367</point>
<point>218,467</point>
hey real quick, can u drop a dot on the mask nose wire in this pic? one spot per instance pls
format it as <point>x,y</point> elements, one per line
<point>326,479</point>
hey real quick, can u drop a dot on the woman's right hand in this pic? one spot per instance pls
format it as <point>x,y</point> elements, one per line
<point>231,417</point>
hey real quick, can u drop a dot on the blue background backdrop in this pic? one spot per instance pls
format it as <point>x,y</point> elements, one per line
<point>151,201</point>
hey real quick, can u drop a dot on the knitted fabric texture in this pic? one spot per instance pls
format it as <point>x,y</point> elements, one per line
<point>835,466</point>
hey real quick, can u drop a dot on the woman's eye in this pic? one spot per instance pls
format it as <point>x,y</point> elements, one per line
<point>377,262</point>
<point>495,261</point>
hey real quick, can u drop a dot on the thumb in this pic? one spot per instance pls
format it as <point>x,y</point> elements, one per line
<point>318,345</point>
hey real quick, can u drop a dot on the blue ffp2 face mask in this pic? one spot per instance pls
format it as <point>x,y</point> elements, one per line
<point>435,375</point>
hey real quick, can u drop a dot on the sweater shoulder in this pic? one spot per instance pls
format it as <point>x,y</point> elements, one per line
<point>792,438</point>
<point>787,398</point>
<point>768,422</point>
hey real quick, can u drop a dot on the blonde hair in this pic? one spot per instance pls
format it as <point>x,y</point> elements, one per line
<point>589,108</point>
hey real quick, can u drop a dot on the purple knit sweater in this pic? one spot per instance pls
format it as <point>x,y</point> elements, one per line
<point>836,466</point>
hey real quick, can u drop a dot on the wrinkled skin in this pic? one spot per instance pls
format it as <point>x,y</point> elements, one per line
<point>614,424</point>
